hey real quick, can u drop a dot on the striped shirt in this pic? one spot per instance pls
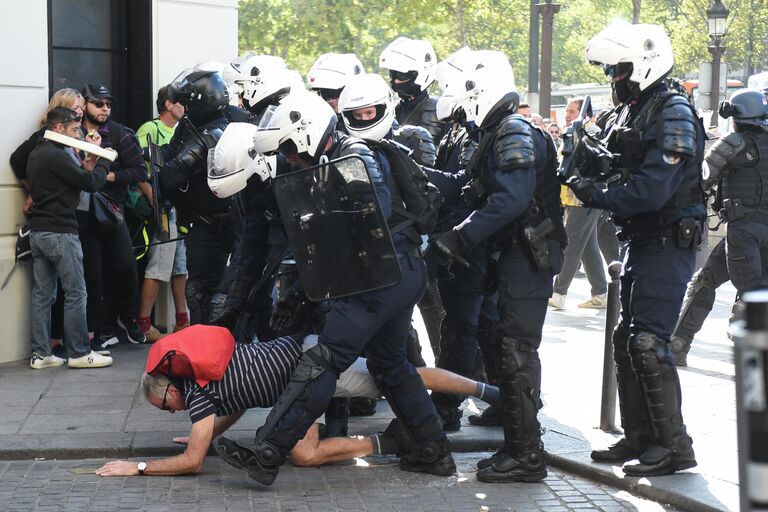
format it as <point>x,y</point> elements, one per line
<point>255,377</point>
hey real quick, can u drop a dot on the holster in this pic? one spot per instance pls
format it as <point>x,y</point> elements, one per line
<point>535,237</point>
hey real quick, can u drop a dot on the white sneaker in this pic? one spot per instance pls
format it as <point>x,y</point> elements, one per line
<point>557,301</point>
<point>596,302</point>
<point>51,361</point>
<point>91,360</point>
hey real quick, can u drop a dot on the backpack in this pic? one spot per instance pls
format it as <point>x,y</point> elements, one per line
<point>421,199</point>
<point>200,352</point>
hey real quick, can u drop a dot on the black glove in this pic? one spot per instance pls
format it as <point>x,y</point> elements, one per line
<point>583,188</point>
<point>287,311</point>
<point>446,247</point>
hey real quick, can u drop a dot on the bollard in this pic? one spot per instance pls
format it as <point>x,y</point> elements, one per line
<point>608,398</point>
<point>750,339</point>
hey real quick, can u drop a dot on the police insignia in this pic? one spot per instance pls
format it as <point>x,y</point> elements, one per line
<point>670,159</point>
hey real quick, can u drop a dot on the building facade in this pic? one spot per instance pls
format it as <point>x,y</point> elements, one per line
<point>132,46</point>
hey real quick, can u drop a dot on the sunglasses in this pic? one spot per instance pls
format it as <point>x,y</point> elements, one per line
<point>72,118</point>
<point>101,104</point>
<point>164,407</point>
<point>329,94</point>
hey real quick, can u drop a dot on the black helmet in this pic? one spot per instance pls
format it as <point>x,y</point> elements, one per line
<point>747,106</point>
<point>202,92</point>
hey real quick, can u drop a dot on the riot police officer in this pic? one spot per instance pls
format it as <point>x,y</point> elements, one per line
<point>263,80</point>
<point>656,197</point>
<point>738,164</point>
<point>511,183</point>
<point>302,128</point>
<point>412,65</point>
<point>183,180</point>
<point>330,73</point>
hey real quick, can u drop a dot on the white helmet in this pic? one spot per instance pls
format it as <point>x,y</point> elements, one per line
<point>369,90</point>
<point>233,161</point>
<point>264,79</point>
<point>302,119</point>
<point>333,71</point>
<point>485,83</point>
<point>414,59</point>
<point>646,47</point>
<point>210,65</point>
<point>448,71</point>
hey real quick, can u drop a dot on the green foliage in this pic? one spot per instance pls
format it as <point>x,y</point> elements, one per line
<point>301,30</point>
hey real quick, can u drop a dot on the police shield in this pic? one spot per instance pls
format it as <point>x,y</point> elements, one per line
<point>338,235</point>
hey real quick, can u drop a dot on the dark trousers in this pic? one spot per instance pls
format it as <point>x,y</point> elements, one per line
<point>523,294</point>
<point>652,286</point>
<point>378,323</point>
<point>700,294</point>
<point>208,249</point>
<point>110,272</point>
<point>746,248</point>
<point>462,302</point>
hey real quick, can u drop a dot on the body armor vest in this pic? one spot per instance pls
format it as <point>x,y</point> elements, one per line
<point>743,184</point>
<point>626,136</point>
<point>545,204</point>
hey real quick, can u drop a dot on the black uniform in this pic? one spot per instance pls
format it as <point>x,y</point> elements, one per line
<point>659,209</point>
<point>515,192</point>
<point>211,237</point>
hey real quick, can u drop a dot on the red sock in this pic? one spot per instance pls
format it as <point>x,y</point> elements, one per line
<point>182,318</point>
<point>145,323</point>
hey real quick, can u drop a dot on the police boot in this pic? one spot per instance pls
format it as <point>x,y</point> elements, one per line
<point>522,459</point>
<point>490,417</point>
<point>528,466</point>
<point>336,417</point>
<point>450,418</point>
<point>672,449</point>
<point>634,418</point>
<point>262,462</point>
<point>680,348</point>
<point>627,448</point>
<point>658,460</point>
<point>433,457</point>
<point>395,439</point>
<point>359,406</point>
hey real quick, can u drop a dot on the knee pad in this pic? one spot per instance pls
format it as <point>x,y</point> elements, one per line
<point>650,354</point>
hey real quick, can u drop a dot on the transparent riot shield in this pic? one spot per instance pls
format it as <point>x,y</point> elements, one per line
<point>337,232</point>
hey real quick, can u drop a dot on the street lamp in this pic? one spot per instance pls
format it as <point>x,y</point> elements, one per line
<point>547,11</point>
<point>716,17</point>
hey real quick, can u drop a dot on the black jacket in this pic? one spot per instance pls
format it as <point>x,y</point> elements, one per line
<point>20,157</point>
<point>55,182</point>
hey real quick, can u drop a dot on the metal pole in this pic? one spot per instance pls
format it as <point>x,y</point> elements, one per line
<point>533,49</point>
<point>751,355</point>
<point>547,11</point>
<point>608,398</point>
<point>717,51</point>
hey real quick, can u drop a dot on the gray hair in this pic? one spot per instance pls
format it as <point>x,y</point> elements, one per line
<point>154,386</point>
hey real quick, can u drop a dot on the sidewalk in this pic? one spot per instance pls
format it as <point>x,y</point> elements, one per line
<point>70,414</point>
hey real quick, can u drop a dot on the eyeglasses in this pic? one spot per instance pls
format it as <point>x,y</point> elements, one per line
<point>71,118</point>
<point>101,104</point>
<point>164,407</point>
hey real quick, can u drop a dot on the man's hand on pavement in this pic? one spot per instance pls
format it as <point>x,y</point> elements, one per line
<point>119,468</point>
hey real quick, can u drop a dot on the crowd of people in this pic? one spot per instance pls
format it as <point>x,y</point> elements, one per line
<point>315,221</point>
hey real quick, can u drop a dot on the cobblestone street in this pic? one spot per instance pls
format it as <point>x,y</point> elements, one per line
<point>71,486</point>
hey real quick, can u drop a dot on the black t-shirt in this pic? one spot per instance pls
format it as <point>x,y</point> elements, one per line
<point>255,377</point>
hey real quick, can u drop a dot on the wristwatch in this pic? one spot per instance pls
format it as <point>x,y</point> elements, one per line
<point>142,467</point>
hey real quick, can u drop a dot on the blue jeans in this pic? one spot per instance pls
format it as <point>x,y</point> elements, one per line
<point>58,255</point>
